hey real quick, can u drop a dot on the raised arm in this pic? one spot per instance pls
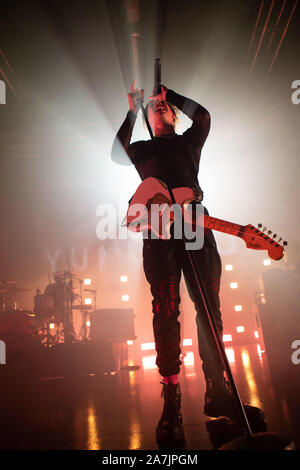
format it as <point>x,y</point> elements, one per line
<point>120,152</point>
<point>199,130</point>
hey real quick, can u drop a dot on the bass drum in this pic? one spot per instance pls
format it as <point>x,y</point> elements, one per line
<point>43,307</point>
<point>16,328</point>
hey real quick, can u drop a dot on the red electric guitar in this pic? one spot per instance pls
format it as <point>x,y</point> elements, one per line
<point>153,191</point>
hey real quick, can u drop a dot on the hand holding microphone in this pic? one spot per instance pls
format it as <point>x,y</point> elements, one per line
<point>161,95</point>
<point>159,91</point>
<point>135,97</point>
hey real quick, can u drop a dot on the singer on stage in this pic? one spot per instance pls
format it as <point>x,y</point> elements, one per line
<point>164,260</point>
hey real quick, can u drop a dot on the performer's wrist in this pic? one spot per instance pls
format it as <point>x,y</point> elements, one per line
<point>169,94</point>
<point>132,116</point>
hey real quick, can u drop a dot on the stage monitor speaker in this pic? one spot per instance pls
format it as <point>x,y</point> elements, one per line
<point>279,317</point>
<point>34,362</point>
<point>113,324</point>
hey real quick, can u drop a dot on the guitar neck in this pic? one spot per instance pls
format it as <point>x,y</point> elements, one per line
<point>222,226</point>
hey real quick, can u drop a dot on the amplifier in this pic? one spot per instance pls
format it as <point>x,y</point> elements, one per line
<point>113,324</point>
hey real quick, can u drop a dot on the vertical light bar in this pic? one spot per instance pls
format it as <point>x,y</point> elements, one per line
<point>230,355</point>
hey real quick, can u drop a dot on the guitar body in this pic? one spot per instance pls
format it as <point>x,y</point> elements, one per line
<point>152,191</point>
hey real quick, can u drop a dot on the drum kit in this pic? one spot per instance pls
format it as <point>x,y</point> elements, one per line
<point>8,292</point>
<point>51,321</point>
<point>15,323</point>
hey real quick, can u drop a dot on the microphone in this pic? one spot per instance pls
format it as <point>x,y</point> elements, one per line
<point>157,77</point>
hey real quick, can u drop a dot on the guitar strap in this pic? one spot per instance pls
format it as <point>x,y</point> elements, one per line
<point>198,192</point>
<point>195,183</point>
<point>194,178</point>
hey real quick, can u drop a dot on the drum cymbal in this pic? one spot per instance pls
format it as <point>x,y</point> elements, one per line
<point>64,273</point>
<point>25,312</point>
<point>18,289</point>
<point>82,307</point>
<point>13,290</point>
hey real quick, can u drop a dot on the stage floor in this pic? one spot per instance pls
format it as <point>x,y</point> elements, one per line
<point>121,411</point>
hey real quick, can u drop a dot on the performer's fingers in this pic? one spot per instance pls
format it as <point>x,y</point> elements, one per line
<point>160,96</point>
<point>133,85</point>
<point>157,97</point>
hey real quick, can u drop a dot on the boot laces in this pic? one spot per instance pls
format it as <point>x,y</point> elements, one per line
<point>171,394</point>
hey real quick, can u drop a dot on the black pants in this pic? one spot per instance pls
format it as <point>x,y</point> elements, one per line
<point>163,262</point>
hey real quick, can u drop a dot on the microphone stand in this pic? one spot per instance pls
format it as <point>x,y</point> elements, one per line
<point>206,304</point>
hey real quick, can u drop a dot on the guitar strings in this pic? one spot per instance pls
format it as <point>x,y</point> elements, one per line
<point>257,236</point>
<point>253,236</point>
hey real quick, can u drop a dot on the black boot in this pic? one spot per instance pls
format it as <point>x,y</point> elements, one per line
<point>170,428</point>
<point>219,401</point>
